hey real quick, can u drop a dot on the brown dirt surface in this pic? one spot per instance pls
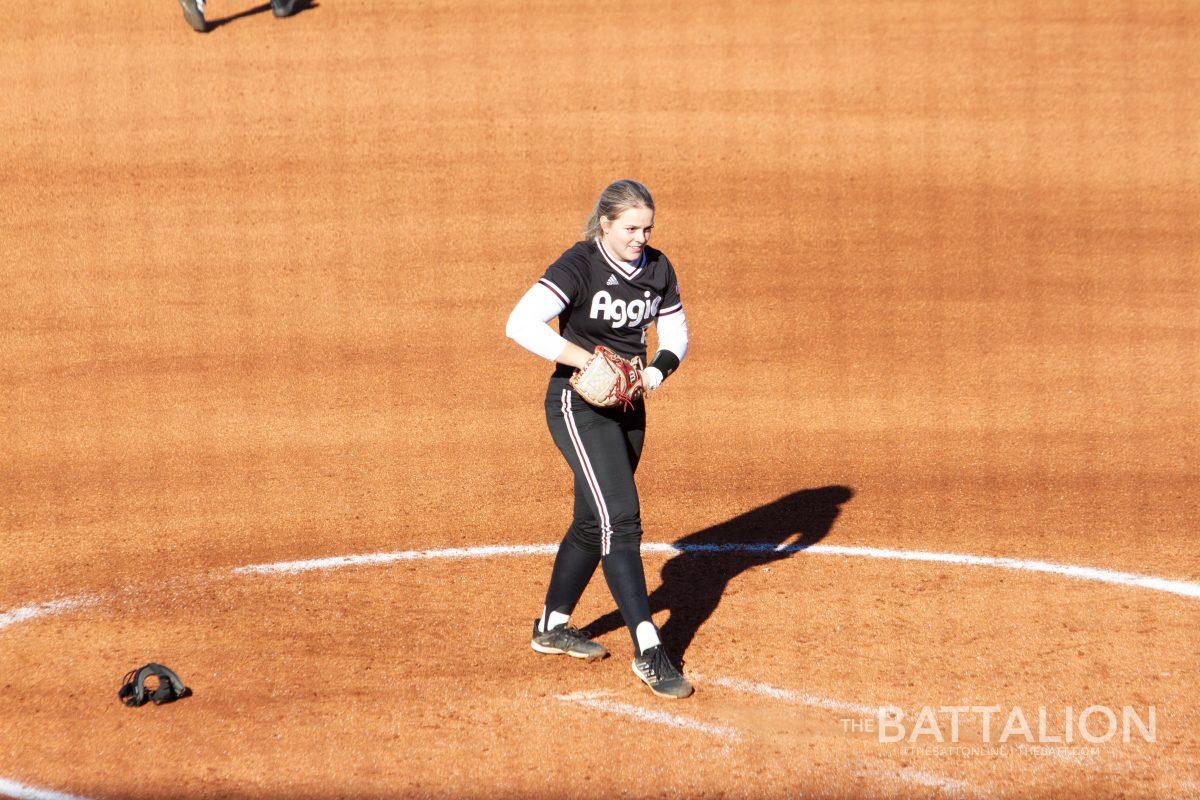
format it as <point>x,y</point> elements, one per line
<point>939,262</point>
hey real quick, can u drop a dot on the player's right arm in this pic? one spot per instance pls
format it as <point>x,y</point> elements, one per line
<point>528,326</point>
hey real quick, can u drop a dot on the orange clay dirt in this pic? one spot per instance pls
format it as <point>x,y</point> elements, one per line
<point>940,265</point>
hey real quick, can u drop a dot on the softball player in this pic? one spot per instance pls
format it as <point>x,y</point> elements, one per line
<point>605,290</point>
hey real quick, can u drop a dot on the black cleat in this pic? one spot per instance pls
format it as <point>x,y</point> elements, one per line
<point>285,8</point>
<point>193,12</point>
<point>571,641</point>
<point>654,668</point>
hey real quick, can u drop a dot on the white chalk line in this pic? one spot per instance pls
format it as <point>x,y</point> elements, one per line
<point>802,698</point>
<point>1097,574</point>
<point>950,786</point>
<point>22,791</point>
<point>48,608</point>
<point>1151,582</point>
<point>597,701</point>
<point>337,562</point>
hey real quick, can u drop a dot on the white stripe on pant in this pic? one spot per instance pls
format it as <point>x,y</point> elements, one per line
<point>577,441</point>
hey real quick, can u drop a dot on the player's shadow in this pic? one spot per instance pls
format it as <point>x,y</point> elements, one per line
<point>694,581</point>
<point>213,24</point>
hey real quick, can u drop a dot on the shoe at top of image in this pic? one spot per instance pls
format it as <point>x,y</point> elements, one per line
<point>193,12</point>
<point>285,8</point>
<point>655,669</point>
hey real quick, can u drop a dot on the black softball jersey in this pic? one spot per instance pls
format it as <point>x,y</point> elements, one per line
<point>610,302</point>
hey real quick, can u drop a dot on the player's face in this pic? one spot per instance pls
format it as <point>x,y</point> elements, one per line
<point>626,236</point>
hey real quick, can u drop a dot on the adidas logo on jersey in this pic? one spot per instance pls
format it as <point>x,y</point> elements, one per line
<point>621,313</point>
<point>612,280</point>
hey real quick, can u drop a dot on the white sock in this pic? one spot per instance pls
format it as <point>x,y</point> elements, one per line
<point>647,636</point>
<point>556,618</point>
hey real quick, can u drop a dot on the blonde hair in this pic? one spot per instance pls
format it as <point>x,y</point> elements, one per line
<point>615,200</point>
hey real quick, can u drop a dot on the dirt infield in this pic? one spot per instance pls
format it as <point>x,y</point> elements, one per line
<point>939,263</point>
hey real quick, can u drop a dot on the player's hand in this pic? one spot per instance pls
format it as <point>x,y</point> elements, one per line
<point>651,379</point>
<point>574,356</point>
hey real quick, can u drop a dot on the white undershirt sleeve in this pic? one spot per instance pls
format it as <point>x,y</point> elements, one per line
<point>673,333</point>
<point>527,322</point>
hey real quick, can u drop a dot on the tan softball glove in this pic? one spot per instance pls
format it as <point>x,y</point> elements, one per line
<point>607,380</point>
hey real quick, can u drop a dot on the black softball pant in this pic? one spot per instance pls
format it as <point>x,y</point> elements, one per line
<point>602,447</point>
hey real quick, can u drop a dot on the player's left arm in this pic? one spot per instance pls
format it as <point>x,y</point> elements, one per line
<point>672,347</point>
<point>672,336</point>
